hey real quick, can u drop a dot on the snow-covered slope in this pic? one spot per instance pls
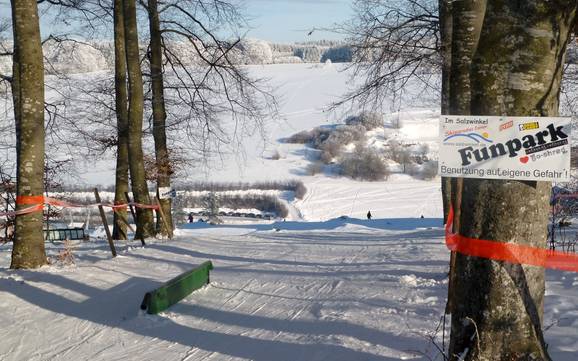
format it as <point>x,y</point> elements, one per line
<point>340,290</point>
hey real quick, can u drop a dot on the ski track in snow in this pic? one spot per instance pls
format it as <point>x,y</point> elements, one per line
<point>361,290</point>
<point>285,295</point>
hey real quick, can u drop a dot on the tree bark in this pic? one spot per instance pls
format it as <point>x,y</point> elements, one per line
<point>445,18</point>
<point>28,96</point>
<point>516,70</point>
<point>145,220</point>
<point>464,30</point>
<point>159,119</point>
<point>120,86</point>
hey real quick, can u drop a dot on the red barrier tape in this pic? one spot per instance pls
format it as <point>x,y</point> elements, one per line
<point>37,204</point>
<point>509,252</point>
<point>32,209</point>
<point>29,199</point>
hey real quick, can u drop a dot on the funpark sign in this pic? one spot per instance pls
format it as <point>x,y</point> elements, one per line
<point>522,148</point>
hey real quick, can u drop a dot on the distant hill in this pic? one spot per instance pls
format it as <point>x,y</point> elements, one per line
<point>77,57</point>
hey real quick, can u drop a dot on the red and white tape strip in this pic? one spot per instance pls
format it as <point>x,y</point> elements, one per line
<point>509,252</point>
<point>37,203</point>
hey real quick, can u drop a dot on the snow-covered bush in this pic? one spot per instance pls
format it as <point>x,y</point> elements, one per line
<point>364,164</point>
<point>299,189</point>
<point>302,137</point>
<point>73,57</point>
<point>320,135</point>
<point>184,52</point>
<point>67,57</point>
<point>399,153</point>
<point>314,168</point>
<point>370,120</point>
<point>330,141</point>
<point>394,150</point>
<point>427,170</point>
<point>423,151</point>
<point>341,136</point>
<point>329,151</point>
<point>253,51</point>
<point>347,134</point>
<point>430,169</point>
<point>404,159</point>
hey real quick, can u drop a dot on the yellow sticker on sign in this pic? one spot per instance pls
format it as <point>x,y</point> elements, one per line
<point>529,126</point>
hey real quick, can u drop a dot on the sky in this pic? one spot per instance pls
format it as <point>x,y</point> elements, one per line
<point>283,21</point>
<point>289,21</point>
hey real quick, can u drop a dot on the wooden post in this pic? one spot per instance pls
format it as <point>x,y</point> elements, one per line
<point>125,220</point>
<point>105,223</point>
<point>164,219</point>
<point>142,241</point>
<point>130,207</point>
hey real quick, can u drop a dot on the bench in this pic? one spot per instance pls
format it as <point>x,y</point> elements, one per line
<point>62,234</point>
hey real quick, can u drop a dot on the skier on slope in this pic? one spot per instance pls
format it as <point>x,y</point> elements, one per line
<point>368,214</point>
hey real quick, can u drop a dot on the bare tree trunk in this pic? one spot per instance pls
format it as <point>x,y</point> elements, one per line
<point>445,16</point>
<point>28,97</point>
<point>467,18</point>
<point>516,70</point>
<point>446,23</point>
<point>145,220</point>
<point>121,182</point>
<point>159,119</point>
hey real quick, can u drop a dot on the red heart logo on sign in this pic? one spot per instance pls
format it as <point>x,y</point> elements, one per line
<point>524,159</point>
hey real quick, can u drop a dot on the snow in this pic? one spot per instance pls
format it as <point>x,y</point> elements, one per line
<point>342,289</point>
<point>326,284</point>
<point>316,293</point>
<point>401,196</point>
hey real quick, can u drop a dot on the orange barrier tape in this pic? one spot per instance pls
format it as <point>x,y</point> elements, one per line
<point>32,209</point>
<point>39,201</point>
<point>509,252</point>
<point>29,199</point>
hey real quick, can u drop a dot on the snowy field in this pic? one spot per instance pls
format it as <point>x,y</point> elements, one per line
<point>335,290</point>
<point>327,284</point>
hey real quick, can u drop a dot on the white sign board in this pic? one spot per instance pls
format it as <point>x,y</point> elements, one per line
<point>522,148</point>
<point>166,193</point>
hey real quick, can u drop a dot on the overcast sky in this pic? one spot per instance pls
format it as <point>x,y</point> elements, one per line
<point>291,20</point>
